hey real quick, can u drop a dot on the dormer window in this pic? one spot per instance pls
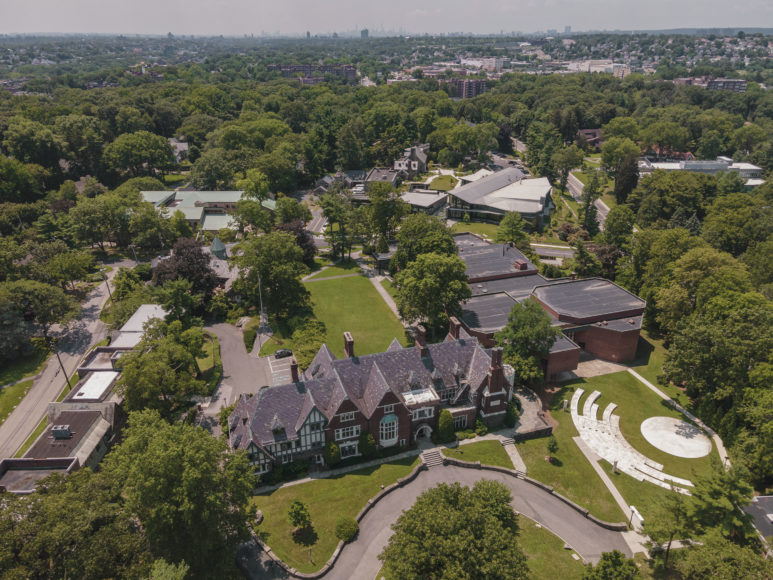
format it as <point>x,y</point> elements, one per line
<point>344,417</point>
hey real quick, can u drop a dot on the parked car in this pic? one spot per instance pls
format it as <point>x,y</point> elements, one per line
<point>283,353</point>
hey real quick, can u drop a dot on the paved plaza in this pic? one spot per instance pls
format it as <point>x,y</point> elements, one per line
<point>676,437</point>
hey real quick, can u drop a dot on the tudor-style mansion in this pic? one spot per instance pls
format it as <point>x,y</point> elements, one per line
<point>395,395</point>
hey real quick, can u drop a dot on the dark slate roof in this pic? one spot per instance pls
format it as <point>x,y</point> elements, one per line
<point>394,345</point>
<point>277,413</point>
<point>80,423</point>
<point>487,312</point>
<point>518,287</point>
<point>483,261</point>
<point>473,192</point>
<point>589,299</point>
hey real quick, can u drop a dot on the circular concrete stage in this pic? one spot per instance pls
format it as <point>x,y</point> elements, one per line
<point>676,437</point>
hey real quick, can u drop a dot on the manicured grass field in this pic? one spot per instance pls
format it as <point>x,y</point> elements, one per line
<point>443,183</point>
<point>635,403</point>
<point>489,230</point>
<point>570,474</point>
<point>338,269</point>
<point>389,287</point>
<point>650,357</point>
<point>354,305</point>
<point>547,558</point>
<point>12,396</point>
<point>13,371</point>
<point>327,499</point>
<point>210,365</point>
<point>487,452</point>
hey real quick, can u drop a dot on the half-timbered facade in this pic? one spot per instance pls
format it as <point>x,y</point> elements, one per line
<point>396,396</point>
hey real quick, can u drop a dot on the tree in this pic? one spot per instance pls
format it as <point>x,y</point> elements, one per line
<point>140,153</point>
<point>618,226</point>
<point>69,267</point>
<point>186,489</point>
<point>72,526</point>
<point>255,185</point>
<point>748,137</point>
<point>669,521</point>
<point>162,570</point>
<point>298,515</point>
<point>626,178</point>
<point>367,444</point>
<point>17,182</point>
<point>421,234</point>
<point>178,300</point>
<point>432,288</point>
<point>589,213</point>
<point>188,261</point>
<point>455,531</point>
<point>621,127</point>
<point>445,427</point>
<point>83,141</point>
<point>615,151</point>
<point>564,160</point>
<point>666,137</point>
<point>289,210</point>
<point>526,339</point>
<point>585,264</point>
<point>32,142</point>
<point>212,172</point>
<point>160,372</point>
<point>716,501</point>
<point>737,220</point>
<point>275,262</point>
<point>552,445</point>
<point>41,303</point>
<point>303,238</point>
<point>612,566</point>
<point>338,209</point>
<point>150,229</point>
<point>511,231</point>
<point>386,209</point>
<point>718,559</point>
<point>332,454</point>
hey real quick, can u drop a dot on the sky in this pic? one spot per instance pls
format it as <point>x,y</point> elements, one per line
<point>293,17</point>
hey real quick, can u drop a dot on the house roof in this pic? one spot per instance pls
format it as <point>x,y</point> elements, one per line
<point>518,287</point>
<point>80,422</point>
<point>142,315</point>
<point>479,174</point>
<point>213,222</point>
<point>475,191</point>
<point>588,300</point>
<point>423,199</point>
<point>488,260</point>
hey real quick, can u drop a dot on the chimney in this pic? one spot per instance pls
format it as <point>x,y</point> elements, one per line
<point>496,375</point>
<point>454,327</point>
<point>294,371</point>
<point>421,340</point>
<point>348,345</point>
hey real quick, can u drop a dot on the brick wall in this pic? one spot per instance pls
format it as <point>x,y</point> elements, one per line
<point>608,344</point>
<point>562,361</point>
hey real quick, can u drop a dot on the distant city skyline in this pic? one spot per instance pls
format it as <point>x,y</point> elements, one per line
<point>296,17</point>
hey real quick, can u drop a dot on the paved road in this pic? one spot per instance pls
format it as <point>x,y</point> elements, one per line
<point>241,372</point>
<point>360,558</point>
<point>74,341</point>
<point>603,210</point>
<point>552,252</point>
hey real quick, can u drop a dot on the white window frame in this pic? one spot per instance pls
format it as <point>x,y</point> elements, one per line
<point>346,417</point>
<point>460,422</point>
<point>392,427</point>
<point>353,445</point>
<point>389,409</point>
<point>423,413</point>
<point>347,432</point>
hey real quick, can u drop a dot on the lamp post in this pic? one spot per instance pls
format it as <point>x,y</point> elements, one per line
<point>52,344</point>
<point>132,246</point>
<point>260,314</point>
<point>104,277</point>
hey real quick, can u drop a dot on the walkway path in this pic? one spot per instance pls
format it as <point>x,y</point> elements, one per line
<point>320,279</point>
<point>74,342</point>
<point>376,281</point>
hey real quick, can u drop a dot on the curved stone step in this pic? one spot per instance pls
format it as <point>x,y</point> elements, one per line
<point>608,411</point>
<point>589,403</point>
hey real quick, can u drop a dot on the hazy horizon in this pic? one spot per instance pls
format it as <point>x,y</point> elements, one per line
<point>295,17</point>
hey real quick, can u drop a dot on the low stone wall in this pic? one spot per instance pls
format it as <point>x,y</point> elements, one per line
<point>616,527</point>
<point>332,560</point>
<point>546,432</point>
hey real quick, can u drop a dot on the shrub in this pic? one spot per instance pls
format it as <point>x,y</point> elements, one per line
<point>466,218</point>
<point>480,427</point>
<point>346,528</point>
<point>249,338</point>
<point>298,515</point>
<point>144,271</point>
<point>332,454</point>
<point>552,445</point>
<point>367,445</point>
<point>445,427</point>
<point>511,414</point>
<point>466,434</point>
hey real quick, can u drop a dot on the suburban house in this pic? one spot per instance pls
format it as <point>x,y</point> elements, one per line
<point>82,427</point>
<point>595,315</point>
<point>592,137</point>
<point>347,179</point>
<point>179,148</point>
<point>384,175</point>
<point>203,210</point>
<point>396,396</point>
<point>491,197</point>
<point>413,161</point>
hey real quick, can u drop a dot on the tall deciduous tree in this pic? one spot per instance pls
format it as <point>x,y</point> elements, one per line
<point>432,288</point>
<point>526,339</point>
<point>140,153</point>
<point>190,262</point>
<point>455,531</point>
<point>626,178</point>
<point>187,491</point>
<point>564,160</point>
<point>421,234</point>
<point>511,231</point>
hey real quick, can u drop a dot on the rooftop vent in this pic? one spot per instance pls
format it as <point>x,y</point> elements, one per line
<point>520,264</point>
<point>61,431</point>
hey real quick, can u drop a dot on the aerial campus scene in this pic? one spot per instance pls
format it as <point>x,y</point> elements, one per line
<point>386,291</point>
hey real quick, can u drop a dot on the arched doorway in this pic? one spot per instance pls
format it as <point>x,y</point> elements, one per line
<point>423,432</point>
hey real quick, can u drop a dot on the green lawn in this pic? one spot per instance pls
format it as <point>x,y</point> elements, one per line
<point>489,230</point>
<point>12,396</point>
<point>32,438</point>
<point>635,403</point>
<point>389,287</point>
<point>443,183</point>
<point>12,371</point>
<point>570,474</point>
<point>327,499</point>
<point>354,305</point>
<point>175,179</point>
<point>650,356</point>
<point>546,555</point>
<point>338,269</point>
<point>487,452</point>
<point>210,364</point>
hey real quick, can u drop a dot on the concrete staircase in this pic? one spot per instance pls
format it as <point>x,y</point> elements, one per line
<point>432,458</point>
<point>507,441</point>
